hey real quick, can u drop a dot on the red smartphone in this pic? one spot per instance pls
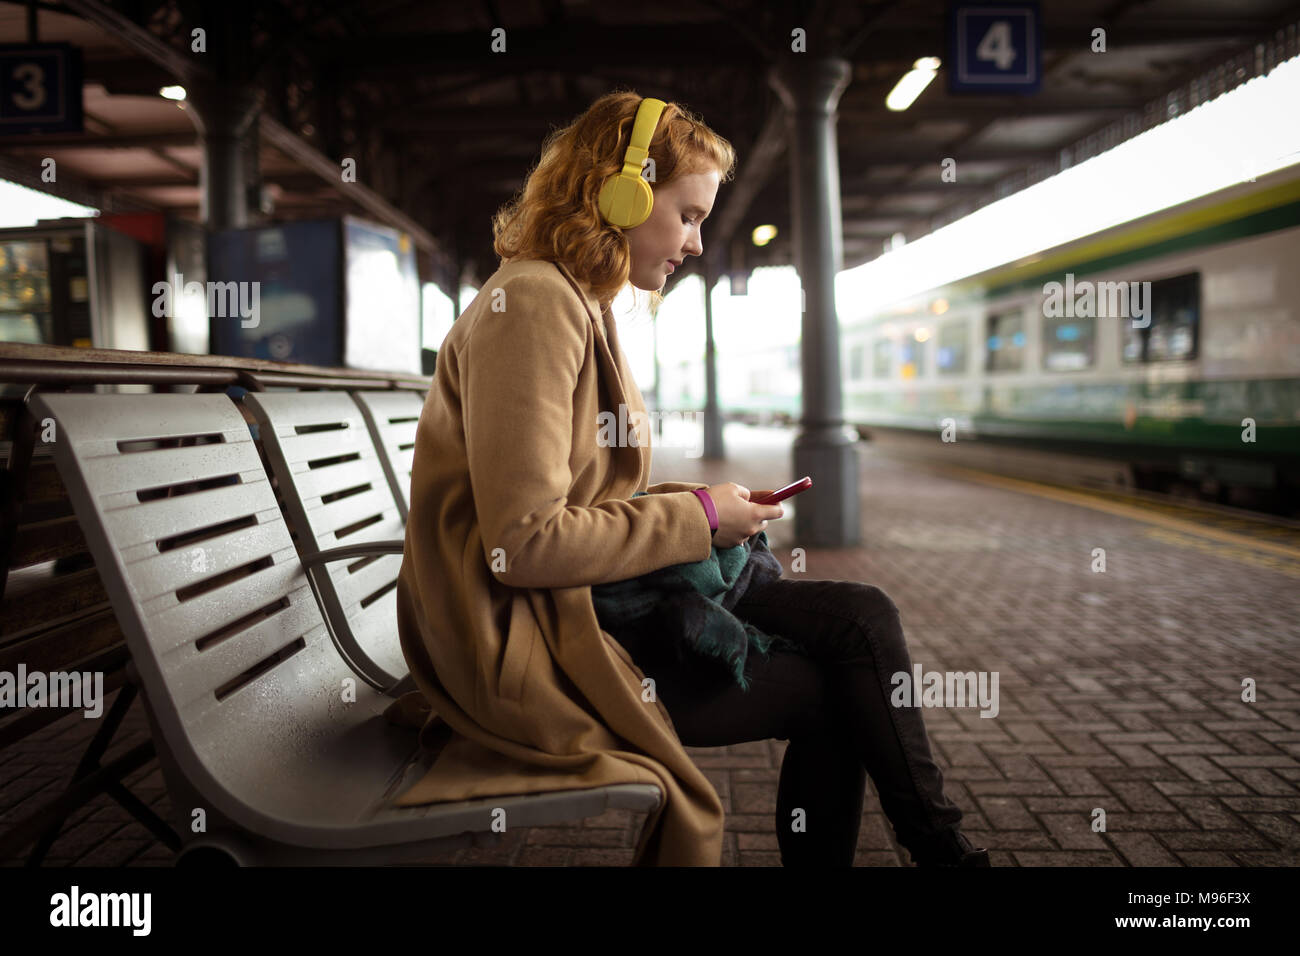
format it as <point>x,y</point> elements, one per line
<point>803,484</point>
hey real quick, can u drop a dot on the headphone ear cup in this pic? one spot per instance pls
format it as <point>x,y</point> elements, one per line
<point>626,201</point>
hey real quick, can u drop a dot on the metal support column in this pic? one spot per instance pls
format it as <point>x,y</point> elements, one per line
<point>224,116</point>
<point>713,448</point>
<point>656,395</point>
<point>825,447</point>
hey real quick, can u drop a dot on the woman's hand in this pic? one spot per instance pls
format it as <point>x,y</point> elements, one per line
<point>738,517</point>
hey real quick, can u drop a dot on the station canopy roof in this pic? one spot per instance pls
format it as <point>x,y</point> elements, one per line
<point>443,129</point>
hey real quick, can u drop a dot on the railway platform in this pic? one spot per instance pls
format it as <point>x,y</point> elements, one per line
<point>1124,635</point>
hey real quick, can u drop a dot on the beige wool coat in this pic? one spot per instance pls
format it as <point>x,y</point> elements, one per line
<point>518,506</point>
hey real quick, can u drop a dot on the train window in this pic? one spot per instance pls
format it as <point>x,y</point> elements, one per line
<point>950,357</point>
<point>1069,343</point>
<point>881,364</point>
<point>1175,305</point>
<point>1006,342</point>
<point>858,362</point>
<point>911,358</point>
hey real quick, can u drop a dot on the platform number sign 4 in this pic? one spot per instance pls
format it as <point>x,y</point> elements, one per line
<point>994,48</point>
<point>40,88</point>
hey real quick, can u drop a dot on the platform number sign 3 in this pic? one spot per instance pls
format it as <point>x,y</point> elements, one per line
<point>40,88</point>
<point>994,48</point>
<point>31,78</point>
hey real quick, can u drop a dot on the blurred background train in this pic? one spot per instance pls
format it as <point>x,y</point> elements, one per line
<point>1203,402</point>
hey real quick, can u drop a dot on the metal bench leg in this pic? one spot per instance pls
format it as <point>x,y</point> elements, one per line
<point>13,481</point>
<point>90,779</point>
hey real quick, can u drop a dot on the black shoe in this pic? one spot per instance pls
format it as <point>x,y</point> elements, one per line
<point>953,849</point>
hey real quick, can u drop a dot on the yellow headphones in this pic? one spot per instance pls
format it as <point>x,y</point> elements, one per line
<point>626,199</point>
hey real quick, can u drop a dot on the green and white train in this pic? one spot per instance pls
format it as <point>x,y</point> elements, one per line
<point>1206,395</point>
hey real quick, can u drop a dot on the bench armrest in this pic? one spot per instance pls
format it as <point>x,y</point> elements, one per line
<point>365,549</point>
<point>356,657</point>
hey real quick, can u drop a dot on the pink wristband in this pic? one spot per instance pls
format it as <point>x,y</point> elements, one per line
<point>708,507</point>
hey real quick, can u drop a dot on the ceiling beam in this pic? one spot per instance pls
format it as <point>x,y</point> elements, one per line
<point>127,76</point>
<point>111,141</point>
<point>902,45</point>
<point>518,121</point>
<point>660,46</point>
<point>590,45</point>
<point>26,173</point>
<point>957,107</point>
<point>153,48</point>
<point>484,119</point>
<point>302,152</point>
<point>865,194</point>
<point>111,183</point>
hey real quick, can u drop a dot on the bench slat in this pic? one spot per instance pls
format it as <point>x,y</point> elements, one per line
<point>328,520</point>
<point>191,565</point>
<point>145,524</point>
<point>163,467</point>
<point>177,624</point>
<point>316,482</point>
<point>322,445</point>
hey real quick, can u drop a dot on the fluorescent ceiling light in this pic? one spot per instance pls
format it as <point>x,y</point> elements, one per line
<point>915,80</point>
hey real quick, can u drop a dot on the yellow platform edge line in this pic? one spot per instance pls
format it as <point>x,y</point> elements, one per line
<point>1122,510</point>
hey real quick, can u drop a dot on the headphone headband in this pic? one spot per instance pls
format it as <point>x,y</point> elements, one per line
<point>626,199</point>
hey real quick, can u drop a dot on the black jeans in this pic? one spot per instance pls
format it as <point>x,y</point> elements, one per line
<point>831,703</point>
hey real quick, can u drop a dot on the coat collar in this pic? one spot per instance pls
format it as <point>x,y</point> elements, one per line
<point>583,288</point>
<point>610,352</point>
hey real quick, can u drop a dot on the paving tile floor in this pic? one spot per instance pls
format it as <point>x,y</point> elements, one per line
<point>1119,690</point>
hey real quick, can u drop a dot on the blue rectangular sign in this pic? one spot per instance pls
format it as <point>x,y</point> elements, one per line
<point>995,48</point>
<point>40,88</point>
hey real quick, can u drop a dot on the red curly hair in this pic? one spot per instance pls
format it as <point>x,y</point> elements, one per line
<point>556,215</point>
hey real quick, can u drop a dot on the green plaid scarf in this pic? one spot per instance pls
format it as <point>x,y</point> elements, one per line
<point>692,604</point>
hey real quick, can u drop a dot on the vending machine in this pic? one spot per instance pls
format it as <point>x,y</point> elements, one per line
<point>72,282</point>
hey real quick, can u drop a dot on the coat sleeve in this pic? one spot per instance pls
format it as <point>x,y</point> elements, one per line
<point>520,373</point>
<point>671,487</point>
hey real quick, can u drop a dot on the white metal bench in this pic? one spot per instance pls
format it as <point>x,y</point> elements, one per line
<point>242,683</point>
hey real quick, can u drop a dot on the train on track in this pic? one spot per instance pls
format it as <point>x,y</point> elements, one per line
<point>1167,347</point>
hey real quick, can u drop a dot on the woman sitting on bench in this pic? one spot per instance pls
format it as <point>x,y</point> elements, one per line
<point>522,505</point>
